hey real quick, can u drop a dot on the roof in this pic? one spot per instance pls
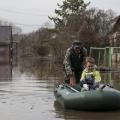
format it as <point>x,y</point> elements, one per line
<point>116,26</point>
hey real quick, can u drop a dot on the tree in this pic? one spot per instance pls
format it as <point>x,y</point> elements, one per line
<point>96,26</point>
<point>69,10</point>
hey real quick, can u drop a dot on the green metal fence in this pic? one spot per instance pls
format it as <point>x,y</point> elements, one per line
<point>107,56</point>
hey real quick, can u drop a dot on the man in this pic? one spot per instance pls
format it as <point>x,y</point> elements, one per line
<point>73,62</point>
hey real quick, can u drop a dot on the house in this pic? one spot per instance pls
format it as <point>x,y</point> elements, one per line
<point>114,36</point>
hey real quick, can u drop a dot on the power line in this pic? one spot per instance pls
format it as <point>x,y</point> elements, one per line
<point>21,12</point>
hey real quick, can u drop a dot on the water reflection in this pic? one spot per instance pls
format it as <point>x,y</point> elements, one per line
<point>5,72</point>
<point>112,78</point>
<point>41,67</point>
<point>26,98</point>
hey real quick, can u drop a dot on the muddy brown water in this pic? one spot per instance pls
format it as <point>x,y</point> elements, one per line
<point>27,97</point>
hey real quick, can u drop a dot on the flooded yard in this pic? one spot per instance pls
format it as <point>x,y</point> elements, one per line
<point>27,97</point>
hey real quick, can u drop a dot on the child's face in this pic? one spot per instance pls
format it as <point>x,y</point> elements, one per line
<point>89,66</point>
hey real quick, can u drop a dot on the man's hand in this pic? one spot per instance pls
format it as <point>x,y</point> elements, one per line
<point>72,80</point>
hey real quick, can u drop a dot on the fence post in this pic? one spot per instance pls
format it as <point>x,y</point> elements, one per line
<point>109,52</point>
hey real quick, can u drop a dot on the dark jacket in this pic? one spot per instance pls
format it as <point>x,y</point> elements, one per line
<point>74,62</point>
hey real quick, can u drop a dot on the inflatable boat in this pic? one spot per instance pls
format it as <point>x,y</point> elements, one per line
<point>103,98</point>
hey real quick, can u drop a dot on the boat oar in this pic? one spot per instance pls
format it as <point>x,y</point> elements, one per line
<point>71,88</point>
<point>66,85</point>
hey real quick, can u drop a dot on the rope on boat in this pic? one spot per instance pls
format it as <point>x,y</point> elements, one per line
<point>105,85</point>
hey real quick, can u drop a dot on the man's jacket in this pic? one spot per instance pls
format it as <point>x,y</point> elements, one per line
<point>74,62</point>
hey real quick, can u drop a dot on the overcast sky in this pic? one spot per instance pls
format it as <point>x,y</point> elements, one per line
<point>32,14</point>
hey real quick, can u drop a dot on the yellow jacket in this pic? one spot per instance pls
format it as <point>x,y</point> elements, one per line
<point>94,73</point>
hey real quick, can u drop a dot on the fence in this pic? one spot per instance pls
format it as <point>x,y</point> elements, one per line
<point>108,56</point>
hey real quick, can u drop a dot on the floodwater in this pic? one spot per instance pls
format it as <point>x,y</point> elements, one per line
<point>27,97</point>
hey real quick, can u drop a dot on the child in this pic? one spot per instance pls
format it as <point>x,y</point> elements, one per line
<point>90,77</point>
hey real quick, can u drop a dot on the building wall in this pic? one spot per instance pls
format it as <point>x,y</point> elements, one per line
<point>5,52</point>
<point>114,37</point>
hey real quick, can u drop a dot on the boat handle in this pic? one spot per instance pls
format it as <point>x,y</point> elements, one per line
<point>105,86</point>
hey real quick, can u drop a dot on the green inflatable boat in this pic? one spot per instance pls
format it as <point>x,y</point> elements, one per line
<point>104,98</point>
